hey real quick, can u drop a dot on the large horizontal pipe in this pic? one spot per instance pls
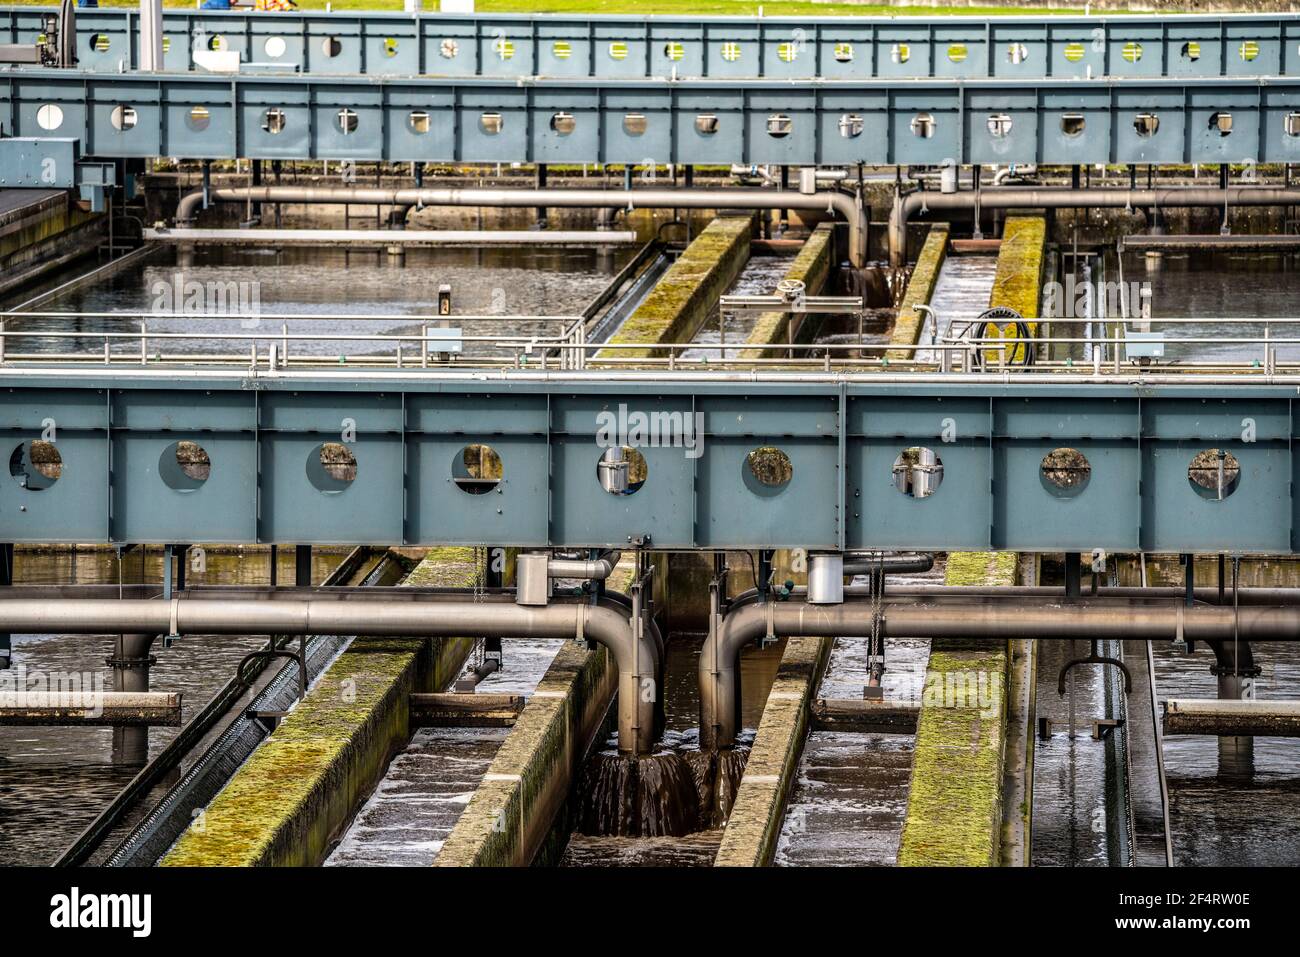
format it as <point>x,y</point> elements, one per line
<point>847,206</point>
<point>719,671</point>
<point>637,662</point>
<point>1065,197</point>
<point>1232,718</point>
<point>393,237</point>
<point>91,708</point>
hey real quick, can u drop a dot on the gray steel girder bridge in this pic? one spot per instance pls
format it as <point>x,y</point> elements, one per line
<point>627,47</point>
<point>846,438</point>
<point>645,121</point>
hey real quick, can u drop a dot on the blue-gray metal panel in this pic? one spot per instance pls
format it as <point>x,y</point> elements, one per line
<point>514,511</point>
<point>1216,420</point>
<point>923,419</point>
<point>367,510</point>
<point>221,509</point>
<point>1080,418</point>
<point>583,512</point>
<point>736,510</point>
<point>880,516</point>
<point>1031,511</point>
<point>477,416</point>
<point>1258,510</point>
<point>73,509</point>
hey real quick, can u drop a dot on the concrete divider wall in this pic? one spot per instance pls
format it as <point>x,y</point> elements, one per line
<point>754,826</point>
<point>920,287</point>
<point>1018,283</point>
<point>681,301</point>
<point>954,805</point>
<point>296,794</point>
<point>511,819</point>
<point>812,267</point>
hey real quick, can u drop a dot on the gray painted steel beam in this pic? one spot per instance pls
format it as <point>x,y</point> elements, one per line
<point>647,121</point>
<point>117,478</point>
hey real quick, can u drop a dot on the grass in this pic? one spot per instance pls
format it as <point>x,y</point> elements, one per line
<point>692,8</point>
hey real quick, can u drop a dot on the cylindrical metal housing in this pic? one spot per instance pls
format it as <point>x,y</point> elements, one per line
<point>826,578</point>
<point>532,583</point>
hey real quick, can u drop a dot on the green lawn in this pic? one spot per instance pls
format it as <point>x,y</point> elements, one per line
<point>781,8</point>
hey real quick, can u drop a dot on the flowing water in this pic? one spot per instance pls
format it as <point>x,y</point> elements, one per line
<point>850,794</point>
<point>233,280</point>
<point>961,293</point>
<point>408,816</point>
<point>55,780</point>
<point>667,809</point>
<point>1220,285</point>
<point>758,277</point>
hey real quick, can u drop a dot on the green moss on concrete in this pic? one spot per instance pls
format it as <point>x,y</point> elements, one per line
<point>1019,281</point>
<point>812,267</point>
<point>920,287</point>
<point>302,785</point>
<point>682,299</point>
<point>511,815</point>
<point>954,807</point>
<point>754,826</point>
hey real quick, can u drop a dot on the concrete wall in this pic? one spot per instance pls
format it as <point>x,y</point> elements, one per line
<point>294,796</point>
<point>681,301</point>
<point>516,809</point>
<point>43,234</point>
<point>754,827</point>
<point>920,287</point>
<point>954,806</point>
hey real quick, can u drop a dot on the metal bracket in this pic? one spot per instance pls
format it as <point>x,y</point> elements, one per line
<point>1094,659</point>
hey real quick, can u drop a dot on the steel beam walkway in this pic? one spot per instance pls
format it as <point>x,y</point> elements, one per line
<point>628,47</point>
<point>857,475</point>
<point>647,122</point>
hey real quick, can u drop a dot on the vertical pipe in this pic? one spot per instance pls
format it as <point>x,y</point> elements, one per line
<point>6,578</point>
<point>302,566</point>
<point>151,37</point>
<point>130,663</point>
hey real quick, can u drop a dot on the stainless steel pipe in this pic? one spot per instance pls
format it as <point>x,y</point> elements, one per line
<point>1065,197</point>
<point>597,568</point>
<point>607,626</point>
<point>719,671</point>
<point>845,205</point>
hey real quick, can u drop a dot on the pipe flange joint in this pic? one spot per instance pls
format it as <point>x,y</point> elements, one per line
<point>129,664</point>
<point>1221,671</point>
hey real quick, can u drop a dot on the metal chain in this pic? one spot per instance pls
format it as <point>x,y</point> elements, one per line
<point>877,591</point>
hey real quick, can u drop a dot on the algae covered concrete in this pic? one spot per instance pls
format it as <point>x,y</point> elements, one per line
<point>920,287</point>
<point>754,826</point>
<point>290,800</point>
<point>812,267</point>
<point>681,301</point>
<point>954,805</point>
<point>512,815</point>
<point>1018,283</point>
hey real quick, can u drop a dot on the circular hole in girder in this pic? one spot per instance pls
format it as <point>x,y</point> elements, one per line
<point>49,116</point>
<point>331,467</point>
<point>1214,474</point>
<point>275,47</point>
<point>767,471</point>
<point>35,465</point>
<point>184,466</point>
<point>1065,472</point>
<point>621,470</point>
<point>331,46</point>
<point>477,469</point>
<point>198,118</point>
<point>918,472</point>
<point>123,117</point>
